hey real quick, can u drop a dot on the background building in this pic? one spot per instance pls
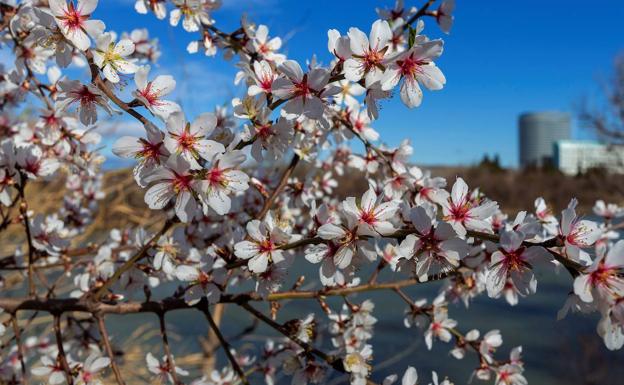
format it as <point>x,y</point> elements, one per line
<point>538,132</point>
<point>576,156</point>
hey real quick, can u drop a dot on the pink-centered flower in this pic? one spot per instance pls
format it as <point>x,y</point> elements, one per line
<point>416,67</point>
<point>369,53</point>
<point>223,179</point>
<point>461,212</point>
<point>303,92</point>
<point>189,140</point>
<point>174,180</point>
<point>371,216</point>
<point>151,93</point>
<point>262,247</point>
<point>512,262</point>
<point>74,21</point>
<point>578,233</point>
<point>603,278</point>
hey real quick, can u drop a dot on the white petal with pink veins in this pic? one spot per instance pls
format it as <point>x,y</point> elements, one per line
<point>380,34</point>
<point>163,85</point>
<point>159,195</point>
<point>358,42</point>
<point>583,287</point>
<point>615,256</point>
<point>86,7</point>
<point>256,230</point>
<point>245,249</point>
<point>343,257</point>
<point>353,69</point>
<point>292,70</point>
<point>186,273</point>
<point>331,231</point>
<point>141,76</point>
<point>127,146</point>
<point>58,7</point>
<point>110,74</point>
<point>204,124</point>
<point>185,206</point>
<point>259,263</point>
<point>125,66</point>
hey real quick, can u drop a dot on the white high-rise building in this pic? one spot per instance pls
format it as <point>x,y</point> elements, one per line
<point>577,156</point>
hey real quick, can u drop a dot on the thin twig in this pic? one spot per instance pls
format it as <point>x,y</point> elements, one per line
<point>224,343</point>
<point>61,350</point>
<point>170,362</point>
<point>20,347</point>
<point>109,349</point>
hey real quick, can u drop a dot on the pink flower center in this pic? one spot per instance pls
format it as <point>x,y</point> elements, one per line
<point>182,182</point>
<point>149,150</point>
<point>368,217</point>
<point>152,96</point>
<point>514,260</point>
<point>303,89</point>
<point>410,66</point>
<point>187,141</point>
<point>266,246</point>
<point>216,176</point>
<point>72,18</point>
<point>84,96</point>
<point>460,212</point>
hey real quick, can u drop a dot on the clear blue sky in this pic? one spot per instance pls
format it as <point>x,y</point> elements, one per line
<point>503,57</point>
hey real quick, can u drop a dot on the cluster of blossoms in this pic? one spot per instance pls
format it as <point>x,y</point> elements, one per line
<point>236,214</point>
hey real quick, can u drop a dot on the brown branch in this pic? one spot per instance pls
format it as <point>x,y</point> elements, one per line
<point>109,349</point>
<point>224,343</point>
<point>333,361</point>
<point>282,183</point>
<point>20,347</point>
<point>170,362</point>
<point>62,357</point>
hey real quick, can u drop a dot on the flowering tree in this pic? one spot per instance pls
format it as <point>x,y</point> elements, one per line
<point>236,213</point>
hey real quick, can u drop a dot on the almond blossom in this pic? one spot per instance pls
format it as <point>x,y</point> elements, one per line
<point>264,76</point>
<point>150,152</point>
<point>74,21</point>
<point>194,15</point>
<point>263,246</point>
<point>444,15</point>
<point>512,262</point>
<point>439,327</point>
<point>302,92</point>
<point>578,233</point>
<point>415,67</point>
<point>603,278</point>
<point>223,179</point>
<point>94,364</point>
<point>51,370</point>
<point>87,96</point>
<point>265,47</point>
<point>204,277</point>
<point>461,212</point>
<point>157,6</point>
<point>432,246</point>
<point>111,57</point>
<point>369,53</point>
<point>189,140</point>
<point>151,93</point>
<point>162,370</point>
<point>174,180</point>
<point>371,216</point>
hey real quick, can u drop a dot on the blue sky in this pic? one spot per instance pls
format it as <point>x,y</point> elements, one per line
<point>501,58</point>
